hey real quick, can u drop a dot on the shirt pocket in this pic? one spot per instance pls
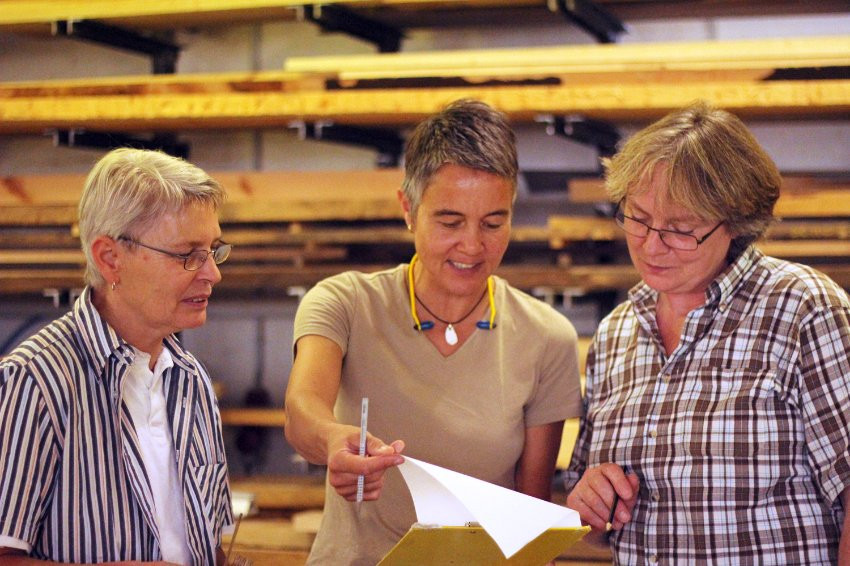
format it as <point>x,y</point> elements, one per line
<point>211,495</point>
<point>737,413</point>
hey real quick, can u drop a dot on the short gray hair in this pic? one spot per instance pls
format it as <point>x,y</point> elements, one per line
<point>128,190</point>
<point>468,133</point>
<point>715,167</point>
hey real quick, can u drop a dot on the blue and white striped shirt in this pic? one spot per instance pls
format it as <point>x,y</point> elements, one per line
<point>72,480</point>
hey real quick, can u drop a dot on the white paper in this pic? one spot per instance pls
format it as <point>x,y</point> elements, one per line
<point>512,519</point>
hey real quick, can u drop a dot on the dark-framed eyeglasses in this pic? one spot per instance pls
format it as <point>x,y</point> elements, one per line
<point>671,238</point>
<point>193,260</point>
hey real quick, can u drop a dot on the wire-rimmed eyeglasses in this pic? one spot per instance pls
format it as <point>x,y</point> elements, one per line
<point>671,238</point>
<point>193,260</point>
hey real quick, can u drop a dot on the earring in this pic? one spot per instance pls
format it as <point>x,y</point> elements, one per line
<point>409,228</point>
<point>114,283</point>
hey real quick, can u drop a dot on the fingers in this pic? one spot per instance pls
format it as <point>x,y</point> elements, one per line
<point>623,513</point>
<point>346,485</point>
<point>594,496</point>
<point>345,465</point>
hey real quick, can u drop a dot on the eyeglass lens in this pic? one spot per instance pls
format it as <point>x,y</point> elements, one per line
<point>197,258</point>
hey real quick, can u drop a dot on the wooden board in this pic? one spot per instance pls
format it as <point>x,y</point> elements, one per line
<point>253,417</point>
<point>798,188</point>
<point>35,16</point>
<point>753,58</point>
<point>771,99</point>
<point>283,492</point>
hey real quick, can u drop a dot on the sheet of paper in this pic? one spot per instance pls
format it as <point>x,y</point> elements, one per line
<point>512,519</point>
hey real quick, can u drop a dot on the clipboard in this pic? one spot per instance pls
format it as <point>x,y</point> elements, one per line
<point>470,522</point>
<point>472,546</point>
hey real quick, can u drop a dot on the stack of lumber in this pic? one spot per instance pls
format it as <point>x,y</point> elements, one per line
<point>608,82</point>
<point>295,228</point>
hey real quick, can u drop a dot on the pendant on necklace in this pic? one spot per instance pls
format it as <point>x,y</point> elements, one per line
<point>451,335</point>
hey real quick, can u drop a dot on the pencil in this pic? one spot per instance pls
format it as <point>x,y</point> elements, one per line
<point>610,524</point>
<point>364,416</point>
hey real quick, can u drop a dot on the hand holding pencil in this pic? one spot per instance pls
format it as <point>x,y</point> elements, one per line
<point>355,474</point>
<point>605,496</point>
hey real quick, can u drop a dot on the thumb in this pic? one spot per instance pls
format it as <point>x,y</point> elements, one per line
<point>377,447</point>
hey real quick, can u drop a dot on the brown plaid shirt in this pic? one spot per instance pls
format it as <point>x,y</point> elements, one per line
<point>740,437</point>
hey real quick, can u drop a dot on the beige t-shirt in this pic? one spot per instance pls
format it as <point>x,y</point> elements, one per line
<point>467,412</point>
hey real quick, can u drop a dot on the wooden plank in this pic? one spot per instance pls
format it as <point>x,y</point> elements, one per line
<point>566,229</point>
<point>184,83</point>
<point>241,186</point>
<point>822,204</point>
<point>776,99</point>
<point>817,197</point>
<point>283,492</point>
<point>804,229</point>
<point>807,249</point>
<point>35,15</point>
<point>271,196</point>
<point>42,257</point>
<point>590,190</point>
<point>253,417</point>
<point>758,56</point>
<point>587,190</point>
<point>38,215</point>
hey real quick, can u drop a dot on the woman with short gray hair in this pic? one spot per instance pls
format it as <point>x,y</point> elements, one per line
<point>116,453</point>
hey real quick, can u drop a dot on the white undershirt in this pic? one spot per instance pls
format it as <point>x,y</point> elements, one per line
<point>142,393</point>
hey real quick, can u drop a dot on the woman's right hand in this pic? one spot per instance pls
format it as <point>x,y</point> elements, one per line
<point>593,496</point>
<point>345,464</point>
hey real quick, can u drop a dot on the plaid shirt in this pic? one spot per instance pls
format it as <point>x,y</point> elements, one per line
<point>741,436</point>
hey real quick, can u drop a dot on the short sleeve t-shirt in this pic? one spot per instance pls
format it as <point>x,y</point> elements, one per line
<point>467,412</point>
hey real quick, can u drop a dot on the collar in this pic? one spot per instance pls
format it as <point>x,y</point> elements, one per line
<point>723,288</point>
<point>100,341</point>
<point>719,292</point>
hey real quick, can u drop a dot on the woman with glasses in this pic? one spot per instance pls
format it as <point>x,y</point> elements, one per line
<point>465,371</point>
<point>110,437</point>
<point>717,408</point>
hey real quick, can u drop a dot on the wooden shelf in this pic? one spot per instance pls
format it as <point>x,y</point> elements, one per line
<point>768,100</point>
<point>36,15</point>
<point>295,229</point>
<point>620,82</point>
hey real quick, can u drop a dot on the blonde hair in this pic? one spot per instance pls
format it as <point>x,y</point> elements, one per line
<point>715,167</point>
<point>128,190</point>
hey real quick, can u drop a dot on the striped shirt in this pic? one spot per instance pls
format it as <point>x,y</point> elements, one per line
<point>741,436</point>
<point>72,479</point>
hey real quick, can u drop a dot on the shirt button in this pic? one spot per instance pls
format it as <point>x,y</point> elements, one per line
<point>656,496</point>
<point>653,433</point>
<point>653,559</point>
<point>666,378</point>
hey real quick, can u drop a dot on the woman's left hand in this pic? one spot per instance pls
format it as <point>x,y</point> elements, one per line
<point>594,494</point>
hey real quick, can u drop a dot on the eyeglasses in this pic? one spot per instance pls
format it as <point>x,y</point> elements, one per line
<point>671,238</point>
<point>193,260</point>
